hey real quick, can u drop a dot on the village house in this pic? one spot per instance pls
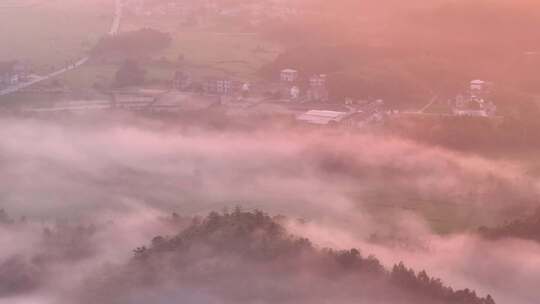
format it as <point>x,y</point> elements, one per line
<point>288,88</point>
<point>11,73</point>
<point>480,88</point>
<point>219,86</point>
<point>289,75</point>
<point>317,90</point>
<point>294,93</point>
<point>182,81</point>
<point>476,102</point>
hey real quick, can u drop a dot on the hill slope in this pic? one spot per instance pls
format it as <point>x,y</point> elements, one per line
<point>247,257</point>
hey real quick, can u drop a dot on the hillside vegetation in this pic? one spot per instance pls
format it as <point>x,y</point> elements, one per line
<point>243,257</point>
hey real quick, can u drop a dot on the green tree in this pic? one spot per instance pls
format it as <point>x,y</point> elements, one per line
<point>130,74</point>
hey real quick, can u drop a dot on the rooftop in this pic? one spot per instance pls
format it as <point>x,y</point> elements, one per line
<point>322,117</point>
<point>289,71</point>
<point>478,81</point>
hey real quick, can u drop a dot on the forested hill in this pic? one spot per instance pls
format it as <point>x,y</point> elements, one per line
<point>527,229</point>
<point>247,257</point>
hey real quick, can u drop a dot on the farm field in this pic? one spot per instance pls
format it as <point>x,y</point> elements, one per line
<point>215,44</point>
<point>205,53</point>
<point>238,54</point>
<point>43,33</point>
<point>87,76</point>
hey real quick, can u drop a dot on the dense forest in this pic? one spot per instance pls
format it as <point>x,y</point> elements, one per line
<point>242,257</point>
<point>236,257</point>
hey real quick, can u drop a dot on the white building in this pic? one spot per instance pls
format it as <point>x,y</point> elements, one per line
<point>477,102</point>
<point>317,88</point>
<point>295,93</point>
<point>317,80</point>
<point>480,88</point>
<point>318,117</point>
<point>477,84</point>
<point>289,75</point>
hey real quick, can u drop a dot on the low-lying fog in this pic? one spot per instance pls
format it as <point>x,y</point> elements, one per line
<point>390,197</point>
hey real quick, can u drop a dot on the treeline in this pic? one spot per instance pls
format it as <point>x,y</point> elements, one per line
<point>527,229</point>
<point>265,248</point>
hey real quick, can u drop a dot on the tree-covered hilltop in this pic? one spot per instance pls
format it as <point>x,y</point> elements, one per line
<point>527,229</point>
<point>243,257</point>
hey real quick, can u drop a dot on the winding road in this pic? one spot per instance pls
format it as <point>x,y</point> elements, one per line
<point>115,27</point>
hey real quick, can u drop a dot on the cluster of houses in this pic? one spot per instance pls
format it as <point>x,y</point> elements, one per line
<point>290,86</point>
<point>12,73</point>
<point>307,96</point>
<point>476,101</point>
<point>211,85</point>
<point>298,89</point>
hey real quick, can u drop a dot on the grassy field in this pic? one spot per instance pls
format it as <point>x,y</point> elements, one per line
<point>214,47</point>
<point>47,34</point>
<point>87,76</point>
<point>206,53</point>
<point>239,54</point>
